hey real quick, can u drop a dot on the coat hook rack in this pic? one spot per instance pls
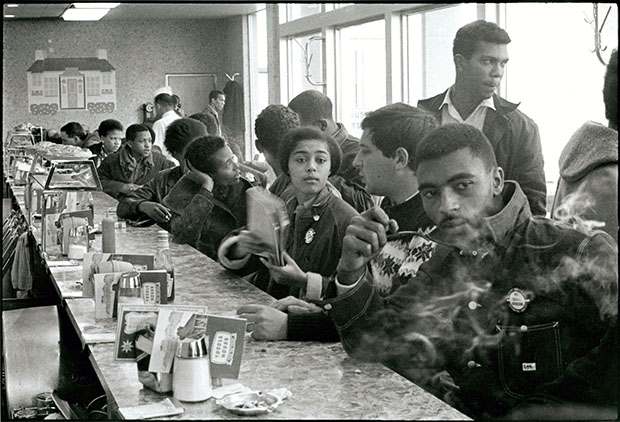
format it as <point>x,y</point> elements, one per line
<point>597,31</point>
<point>308,59</point>
<point>232,78</point>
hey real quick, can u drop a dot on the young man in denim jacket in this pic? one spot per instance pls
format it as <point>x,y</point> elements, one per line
<point>519,310</point>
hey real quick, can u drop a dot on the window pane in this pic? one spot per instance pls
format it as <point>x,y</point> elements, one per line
<point>299,10</point>
<point>361,72</point>
<point>430,36</point>
<point>297,64</point>
<point>575,92</point>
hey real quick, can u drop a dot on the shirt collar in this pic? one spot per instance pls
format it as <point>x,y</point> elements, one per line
<point>341,134</point>
<point>128,160</point>
<point>487,102</point>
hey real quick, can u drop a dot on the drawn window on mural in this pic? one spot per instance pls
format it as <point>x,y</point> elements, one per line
<point>106,78</point>
<point>93,88</point>
<point>51,87</point>
<point>36,79</point>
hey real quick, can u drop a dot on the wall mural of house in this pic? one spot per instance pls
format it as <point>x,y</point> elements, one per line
<point>71,84</point>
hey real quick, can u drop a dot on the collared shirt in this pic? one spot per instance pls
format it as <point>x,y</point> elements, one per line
<point>159,127</point>
<point>449,113</point>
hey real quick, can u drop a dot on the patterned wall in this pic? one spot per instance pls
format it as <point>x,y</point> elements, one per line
<point>141,51</point>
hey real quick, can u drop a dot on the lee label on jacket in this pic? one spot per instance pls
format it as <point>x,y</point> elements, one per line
<point>528,366</point>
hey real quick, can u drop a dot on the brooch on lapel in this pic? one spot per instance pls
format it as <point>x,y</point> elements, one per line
<point>309,237</point>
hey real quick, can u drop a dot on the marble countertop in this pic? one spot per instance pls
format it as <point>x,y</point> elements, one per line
<point>325,382</point>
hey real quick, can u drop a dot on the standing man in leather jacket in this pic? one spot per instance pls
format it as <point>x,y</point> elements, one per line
<point>480,52</point>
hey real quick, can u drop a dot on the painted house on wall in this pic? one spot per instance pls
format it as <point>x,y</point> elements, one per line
<point>71,84</point>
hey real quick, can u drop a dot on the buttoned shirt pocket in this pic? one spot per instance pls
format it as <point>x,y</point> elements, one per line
<point>529,356</point>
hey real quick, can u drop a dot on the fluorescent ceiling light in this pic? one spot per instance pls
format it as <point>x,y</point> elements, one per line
<point>9,16</point>
<point>84,14</point>
<point>12,5</point>
<point>95,5</point>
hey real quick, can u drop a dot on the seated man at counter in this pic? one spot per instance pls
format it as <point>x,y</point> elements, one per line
<point>73,133</point>
<point>385,163</point>
<point>514,307</point>
<point>133,165</point>
<point>144,205</point>
<point>315,109</point>
<point>107,139</point>
<point>209,201</point>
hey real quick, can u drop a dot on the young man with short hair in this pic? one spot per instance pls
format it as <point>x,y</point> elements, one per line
<point>133,165</point>
<point>480,56</point>
<point>164,109</point>
<point>107,139</point>
<point>73,133</point>
<point>209,201</point>
<point>145,203</point>
<point>513,307</point>
<point>315,109</point>
<point>217,100</point>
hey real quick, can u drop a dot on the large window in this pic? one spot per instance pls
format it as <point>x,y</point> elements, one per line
<point>305,64</point>
<point>553,72</point>
<point>361,72</point>
<point>429,49</point>
<point>375,53</point>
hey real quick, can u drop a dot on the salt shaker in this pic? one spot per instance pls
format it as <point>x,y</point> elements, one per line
<point>130,288</point>
<point>191,378</point>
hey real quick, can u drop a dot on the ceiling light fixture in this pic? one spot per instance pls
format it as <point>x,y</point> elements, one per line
<point>84,14</point>
<point>95,5</point>
<point>9,16</point>
<point>12,5</point>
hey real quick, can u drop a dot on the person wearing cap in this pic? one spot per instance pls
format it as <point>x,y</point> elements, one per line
<point>164,110</point>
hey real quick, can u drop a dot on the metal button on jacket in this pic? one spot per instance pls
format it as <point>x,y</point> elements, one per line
<point>328,307</point>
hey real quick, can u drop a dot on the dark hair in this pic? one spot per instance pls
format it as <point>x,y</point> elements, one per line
<point>453,137</point>
<point>610,89</point>
<point>467,37</point>
<point>272,124</point>
<point>165,99</point>
<point>181,132</point>
<point>213,95</point>
<point>295,136</point>
<point>73,129</point>
<point>108,126</point>
<point>207,120</point>
<point>312,105</point>
<point>176,98</point>
<point>199,153</point>
<point>136,128</point>
<point>399,125</point>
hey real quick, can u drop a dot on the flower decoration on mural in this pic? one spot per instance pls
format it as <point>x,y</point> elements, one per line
<point>96,108</point>
<point>44,109</point>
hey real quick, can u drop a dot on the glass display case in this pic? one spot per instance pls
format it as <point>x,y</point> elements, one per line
<point>16,146</point>
<point>47,193</point>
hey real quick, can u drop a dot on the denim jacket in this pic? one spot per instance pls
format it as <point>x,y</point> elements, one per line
<point>515,322</point>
